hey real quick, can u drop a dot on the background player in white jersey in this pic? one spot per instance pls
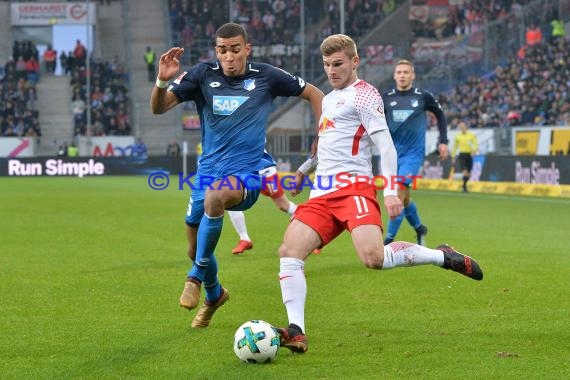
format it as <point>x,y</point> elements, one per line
<point>275,191</point>
<point>406,108</point>
<point>352,119</point>
<point>234,99</point>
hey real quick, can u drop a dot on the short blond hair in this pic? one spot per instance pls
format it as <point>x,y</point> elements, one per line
<point>405,62</point>
<point>337,43</point>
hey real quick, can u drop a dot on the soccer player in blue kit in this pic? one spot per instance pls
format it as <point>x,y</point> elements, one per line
<point>405,107</point>
<point>234,98</point>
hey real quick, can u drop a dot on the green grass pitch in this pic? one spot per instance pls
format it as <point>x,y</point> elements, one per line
<point>91,270</point>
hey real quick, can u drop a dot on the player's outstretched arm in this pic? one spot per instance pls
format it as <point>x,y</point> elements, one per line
<point>314,146</point>
<point>314,96</point>
<point>389,162</point>
<point>299,178</point>
<point>304,170</point>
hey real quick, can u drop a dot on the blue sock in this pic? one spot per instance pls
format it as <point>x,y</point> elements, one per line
<point>412,215</point>
<point>394,226</point>
<point>208,236</point>
<point>211,285</point>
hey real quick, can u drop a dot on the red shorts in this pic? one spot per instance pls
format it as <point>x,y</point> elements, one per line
<point>344,209</point>
<point>271,186</point>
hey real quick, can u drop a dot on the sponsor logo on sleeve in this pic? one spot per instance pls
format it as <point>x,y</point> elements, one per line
<point>177,80</point>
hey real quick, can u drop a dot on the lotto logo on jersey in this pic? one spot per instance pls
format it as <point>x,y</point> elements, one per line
<point>400,116</point>
<point>226,105</point>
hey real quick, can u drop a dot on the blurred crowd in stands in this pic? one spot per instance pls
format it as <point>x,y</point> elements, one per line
<point>194,24</point>
<point>465,17</point>
<point>273,25</point>
<point>108,98</point>
<point>531,88</point>
<point>19,115</point>
<point>361,16</point>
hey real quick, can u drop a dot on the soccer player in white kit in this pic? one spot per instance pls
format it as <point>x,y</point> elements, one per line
<point>351,120</point>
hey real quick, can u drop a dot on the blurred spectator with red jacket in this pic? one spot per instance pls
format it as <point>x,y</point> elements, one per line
<point>50,59</point>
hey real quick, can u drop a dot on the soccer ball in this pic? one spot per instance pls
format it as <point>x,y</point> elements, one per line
<point>256,342</point>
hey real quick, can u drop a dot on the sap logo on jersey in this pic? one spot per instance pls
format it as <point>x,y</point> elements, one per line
<point>226,105</point>
<point>400,116</point>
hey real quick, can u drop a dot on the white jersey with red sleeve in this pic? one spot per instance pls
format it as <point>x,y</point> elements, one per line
<point>349,117</point>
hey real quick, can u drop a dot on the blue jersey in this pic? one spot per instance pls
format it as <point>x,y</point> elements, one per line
<point>406,117</point>
<point>234,112</point>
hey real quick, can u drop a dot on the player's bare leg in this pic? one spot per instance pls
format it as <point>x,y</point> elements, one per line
<point>284,204</point>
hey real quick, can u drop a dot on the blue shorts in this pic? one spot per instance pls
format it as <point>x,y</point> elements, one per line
<point>250,183</point>
<point>409,166</point>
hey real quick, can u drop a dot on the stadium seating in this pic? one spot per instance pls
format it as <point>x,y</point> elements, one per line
<point>108,99</point>
<point>476,55</point>
<point>446,19</point>
<point>18,109</point>
<point>534,90</point>
<point>519,88</point>
<point>273,27</point>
